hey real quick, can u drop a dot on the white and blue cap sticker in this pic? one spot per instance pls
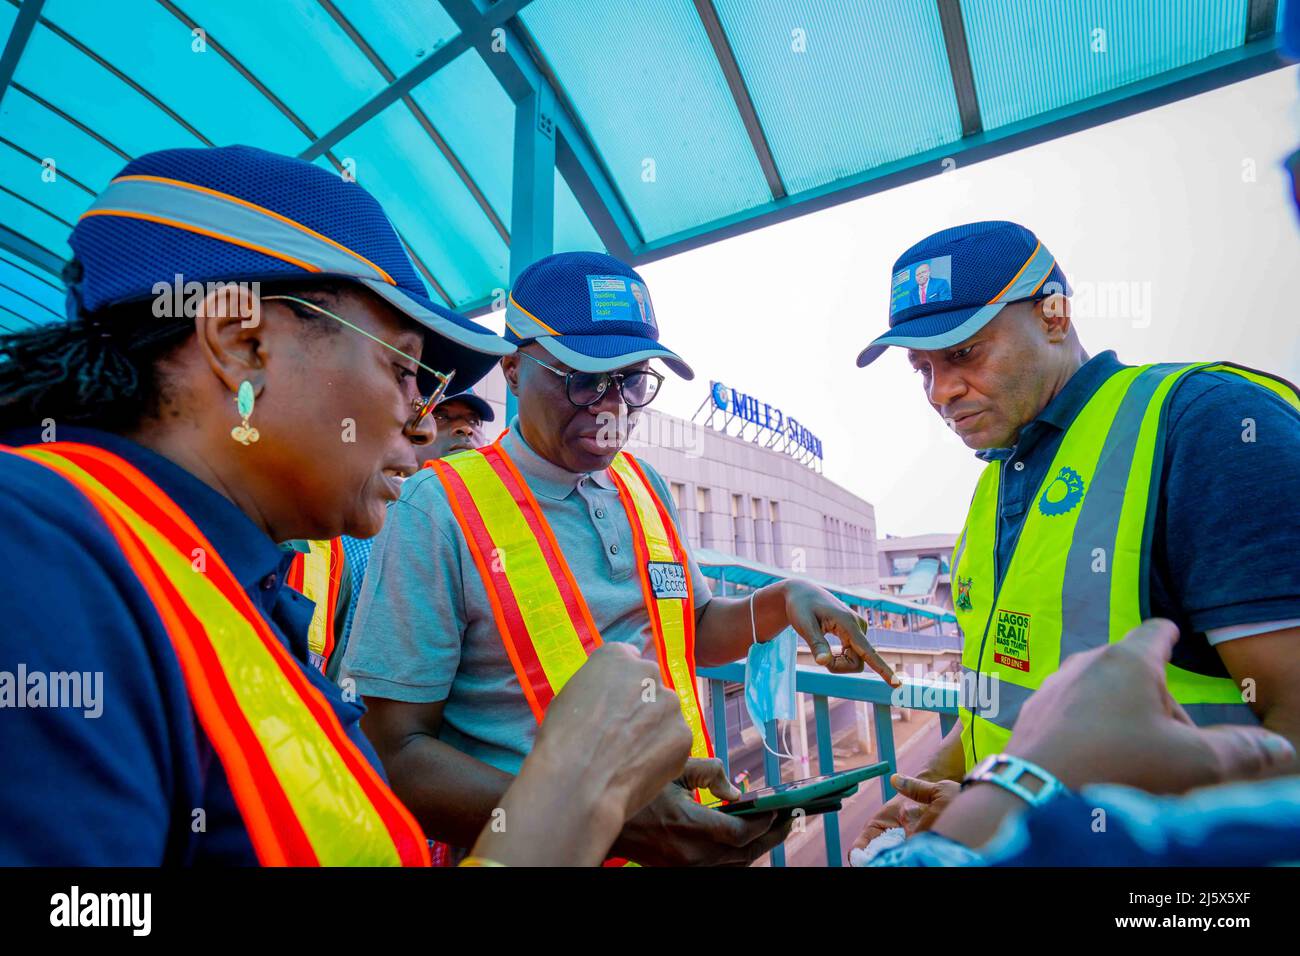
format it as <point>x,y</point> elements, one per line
<point>921,282</point>
<point>620,299</point>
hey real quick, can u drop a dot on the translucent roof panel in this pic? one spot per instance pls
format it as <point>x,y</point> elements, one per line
<point>59,74</point>
<point>573,230</point>
<point>476,118</point>
<point>1030,57</point>
<point>24,297</point>
<point>8,15</point>
<point>42,185</point>
<point>647,86</point>
<point>427,202</point>
<point>401,32</point>
<point>840,88</point>
<point>142,39</point>
<point>32,222</point>
<point>671,114</point>
<point>35,129</point>
<point>296,50</point>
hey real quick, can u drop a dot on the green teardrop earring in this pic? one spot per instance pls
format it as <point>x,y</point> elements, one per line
<point>244,433</point>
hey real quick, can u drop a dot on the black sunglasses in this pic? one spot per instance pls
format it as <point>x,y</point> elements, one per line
<point>637,388</point>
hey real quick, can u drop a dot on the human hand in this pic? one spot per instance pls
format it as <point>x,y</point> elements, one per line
<point>1107,717</point>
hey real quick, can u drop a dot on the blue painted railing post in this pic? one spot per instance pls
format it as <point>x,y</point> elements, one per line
<point>772,776</point>
<point>885,746</point>
<point>825,765</point>
<point>718,697</point>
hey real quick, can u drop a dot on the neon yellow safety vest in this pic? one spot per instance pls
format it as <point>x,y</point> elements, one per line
<point>1079,574</point>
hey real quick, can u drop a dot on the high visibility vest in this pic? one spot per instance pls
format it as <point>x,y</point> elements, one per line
<point>306,793</point>
<point>317,575</point>
<point>539,609</point>
<point>1079,574</point>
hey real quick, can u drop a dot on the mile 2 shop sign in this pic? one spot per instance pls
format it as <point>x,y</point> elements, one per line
<point>749,409</point>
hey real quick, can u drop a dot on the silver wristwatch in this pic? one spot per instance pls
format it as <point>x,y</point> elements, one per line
<point>1012,773</point>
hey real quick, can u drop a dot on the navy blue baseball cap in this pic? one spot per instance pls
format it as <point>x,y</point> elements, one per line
<point>951,284</point>
<point>471,398</point>
<point>237,213</point>
<point>590,311</point>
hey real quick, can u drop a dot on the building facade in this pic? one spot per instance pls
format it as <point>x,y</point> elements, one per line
<point>917,567</point>
<point>740,498</point>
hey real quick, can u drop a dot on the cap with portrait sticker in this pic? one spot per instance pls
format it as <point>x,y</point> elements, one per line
<point>238,213</point>
<point>472,399</point>
<point>590,311</point>
<point>951,284</point>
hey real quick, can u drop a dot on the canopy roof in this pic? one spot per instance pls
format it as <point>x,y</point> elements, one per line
<point>753,574</point>
<point>495,133</point>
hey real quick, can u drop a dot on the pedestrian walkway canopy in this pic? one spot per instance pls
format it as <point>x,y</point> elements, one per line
<point>731,570</point>
<point>495,133</point>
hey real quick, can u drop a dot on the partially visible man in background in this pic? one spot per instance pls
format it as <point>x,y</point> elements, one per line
<point>459,420</point>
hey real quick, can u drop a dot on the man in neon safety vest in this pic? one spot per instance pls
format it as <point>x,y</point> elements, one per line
<point>500,569</point>
<point>1111,494</point>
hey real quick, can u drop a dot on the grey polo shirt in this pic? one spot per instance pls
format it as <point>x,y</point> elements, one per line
<point>424,630</point>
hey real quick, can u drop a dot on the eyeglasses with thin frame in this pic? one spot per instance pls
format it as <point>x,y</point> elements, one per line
<point>420,407</point>
<point>637,388</point>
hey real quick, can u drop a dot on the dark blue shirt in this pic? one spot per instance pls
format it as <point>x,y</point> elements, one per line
<point>139,784</point>
<point>1227,528</point>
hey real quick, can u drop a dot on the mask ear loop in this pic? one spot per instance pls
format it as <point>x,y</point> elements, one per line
<point>762,734</point>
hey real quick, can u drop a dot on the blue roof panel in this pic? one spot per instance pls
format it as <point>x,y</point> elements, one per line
<point>42,185</point>
<point>645,82</point>
<point>428,203</point>
<point>849,98</point>
<point>198,85</point>
<point>58,73</point>
<point>44,133</point>
<point>839,88</point>
<point>401,32</point>
<point>1031,57</point>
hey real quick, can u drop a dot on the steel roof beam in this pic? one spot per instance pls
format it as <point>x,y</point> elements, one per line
<point>30,251</point>
<point>420,117</point>
<point>28,15</point>
<point>481,27</point>
<point>520,68</point>
<point>23,295</point>
<point>1261,19</point>
<point>726,58</point>
<point>959,65</point>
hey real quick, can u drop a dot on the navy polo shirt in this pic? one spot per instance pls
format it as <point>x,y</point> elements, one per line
<point>1227,525</point>
<point>128,778</point>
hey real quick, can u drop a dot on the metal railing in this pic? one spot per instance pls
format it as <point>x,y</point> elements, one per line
<point>940,698</point>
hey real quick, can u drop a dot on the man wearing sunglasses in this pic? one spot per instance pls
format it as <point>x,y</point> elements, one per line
<point>501,569</point>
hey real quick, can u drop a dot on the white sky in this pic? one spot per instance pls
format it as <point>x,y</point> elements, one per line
<point>1159,202</point>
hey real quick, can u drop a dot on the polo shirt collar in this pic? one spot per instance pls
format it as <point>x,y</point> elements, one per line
<point>545,477</point>
<point>1062,410</point>
<point>247,550</point>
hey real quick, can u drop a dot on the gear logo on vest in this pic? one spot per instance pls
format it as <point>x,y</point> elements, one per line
<point>1063,494</point>
<point>667,579</point>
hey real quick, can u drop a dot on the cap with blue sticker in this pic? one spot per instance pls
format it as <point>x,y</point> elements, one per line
<point>620,299</point>
<point>590,311</point>
<point>929,280</point>
<point>951,284</point>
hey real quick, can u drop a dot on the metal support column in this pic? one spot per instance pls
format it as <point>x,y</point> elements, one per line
<point>532,214</point>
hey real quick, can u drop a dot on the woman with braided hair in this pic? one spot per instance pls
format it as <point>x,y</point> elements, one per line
<point>156,700</point>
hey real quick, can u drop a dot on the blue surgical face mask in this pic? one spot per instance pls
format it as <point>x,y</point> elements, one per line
<point>769,682</point>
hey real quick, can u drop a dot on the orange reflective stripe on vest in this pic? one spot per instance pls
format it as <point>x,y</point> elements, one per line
<point>543,620</point>
<point>305,792</point>
<point>672,619</point>
<point>317,575</point>
<point>539,609</point>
